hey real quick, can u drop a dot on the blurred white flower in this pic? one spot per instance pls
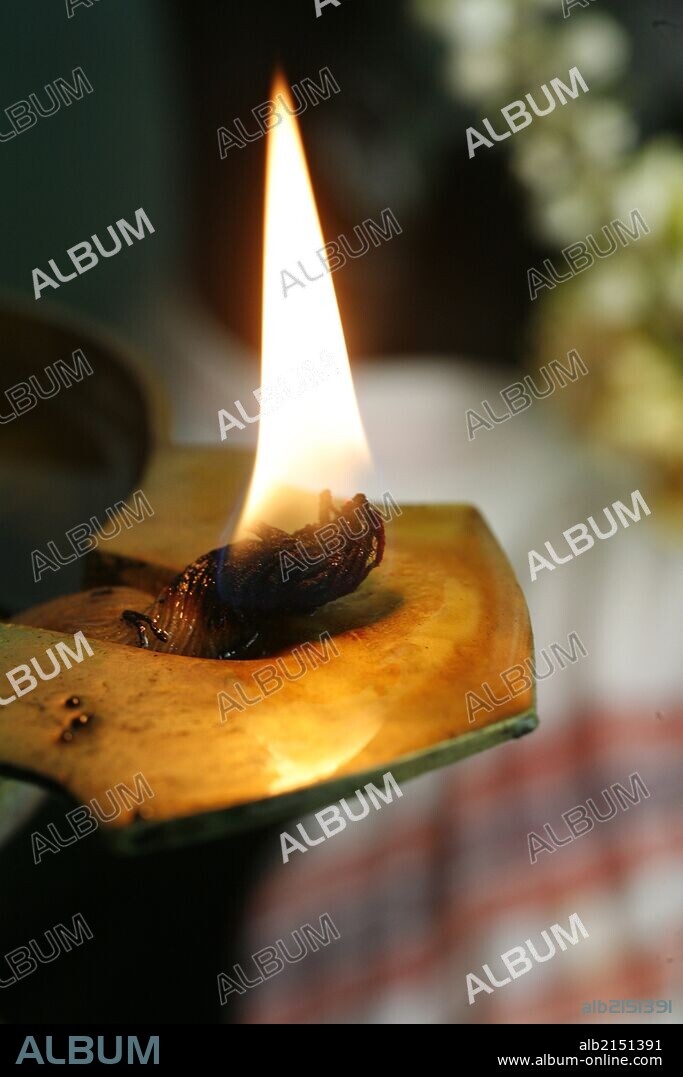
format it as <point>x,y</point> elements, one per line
<point>469,23</point>
<point>654,185</point>
<point>568,217</point>
<point>605,132</point>
<point>479,75</point>
<point>541,161</point>
<point>615,293</point>
<point>597,45</point>
<point>483,22</point>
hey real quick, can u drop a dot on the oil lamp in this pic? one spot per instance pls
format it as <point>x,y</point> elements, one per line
<point>433,611</point>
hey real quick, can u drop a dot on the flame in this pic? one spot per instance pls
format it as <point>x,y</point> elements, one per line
<point>314,440</point>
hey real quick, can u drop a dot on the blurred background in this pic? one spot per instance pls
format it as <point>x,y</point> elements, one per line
<point>437,320</point>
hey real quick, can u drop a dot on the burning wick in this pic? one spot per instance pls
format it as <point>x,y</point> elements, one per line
<point>221,605</point>
<point>225,603</point>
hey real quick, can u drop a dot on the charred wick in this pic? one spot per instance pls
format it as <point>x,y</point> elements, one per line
<point>229,602</point>
<point>141,621</point>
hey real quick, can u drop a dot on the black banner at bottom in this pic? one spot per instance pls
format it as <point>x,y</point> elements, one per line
<point>499,1046</point>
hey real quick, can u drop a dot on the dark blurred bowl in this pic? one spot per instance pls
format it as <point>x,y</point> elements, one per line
<point>70,457</point>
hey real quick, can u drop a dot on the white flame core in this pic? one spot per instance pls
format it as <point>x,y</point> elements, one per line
<point>310,433</point>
